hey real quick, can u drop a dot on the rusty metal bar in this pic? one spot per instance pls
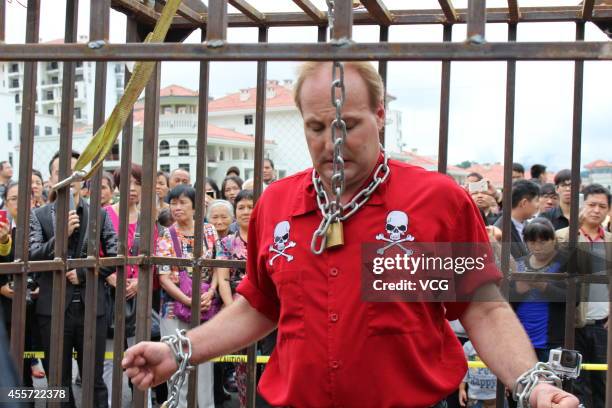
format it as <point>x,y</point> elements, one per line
<point>322,34</point>
<point>249,11</point>
<point>122,249</point>
<point>447,36</point>
<point>26,152</point>
<point>318,16</point>
<point>575,179</point>
<point>383,37</point>
<point>542,51</point>
<point>216,30</point>
<point>196,5</point>
<point>449,11</point>
<point>260,130</point>
<point>477,17</point>
<point>400,17</point>
<point>98,30</point>
<point>61,243</point>
<point>2,21</point>
<point>148,15</point>
<point>187,10</point>
<point>147,233</point>
<point>513,9</point>
<point>343,21</point>
<point>587,9</point>
<point>507,192</point>
<point>378,11</point>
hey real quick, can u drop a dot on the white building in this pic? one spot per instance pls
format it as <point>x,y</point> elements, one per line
<point>178,131</point>
<point>49,102</point>
<point>598,171</point>
<point>284,125</point>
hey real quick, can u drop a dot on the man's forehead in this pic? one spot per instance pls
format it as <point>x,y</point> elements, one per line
<point>597,198</point>
<point>316,89</point>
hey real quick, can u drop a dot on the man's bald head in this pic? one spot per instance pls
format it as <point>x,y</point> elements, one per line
<point>373,81</point>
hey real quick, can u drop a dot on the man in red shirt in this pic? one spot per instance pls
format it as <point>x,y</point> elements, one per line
<point>333,348</point>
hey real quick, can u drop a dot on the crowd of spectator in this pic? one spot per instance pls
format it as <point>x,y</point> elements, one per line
<point>539,211</point>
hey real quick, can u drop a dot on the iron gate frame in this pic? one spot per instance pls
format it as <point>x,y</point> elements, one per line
<point>214,21</point>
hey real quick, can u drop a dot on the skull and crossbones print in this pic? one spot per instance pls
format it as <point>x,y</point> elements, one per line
<point>281,242</point>
<point>396,227</point>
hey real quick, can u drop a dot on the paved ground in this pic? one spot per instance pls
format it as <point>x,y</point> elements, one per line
<point>127,395</point>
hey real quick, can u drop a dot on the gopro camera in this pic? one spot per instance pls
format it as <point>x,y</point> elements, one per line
<point>565,363</point>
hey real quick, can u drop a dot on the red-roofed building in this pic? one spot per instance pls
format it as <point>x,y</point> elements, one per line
<point>178,131</point>
<point>598,171</point>
<point>429,163</point>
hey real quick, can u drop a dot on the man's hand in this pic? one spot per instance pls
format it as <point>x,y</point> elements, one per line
<point>6,291</point>
<point>5,232</point>
<point>73,222</point>
<point>131,289</point>
<point>463,398</point>
<point>546,395</point>
<point>149,364</point>
<point>112,279</point>
<point>72,277</point>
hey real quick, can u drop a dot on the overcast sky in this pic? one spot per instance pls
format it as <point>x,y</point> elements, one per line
<point>543,93</point>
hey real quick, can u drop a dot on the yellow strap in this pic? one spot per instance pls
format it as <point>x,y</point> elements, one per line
<point>102,142</point>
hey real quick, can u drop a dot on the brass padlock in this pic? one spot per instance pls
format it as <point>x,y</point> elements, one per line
<point>335,235</point>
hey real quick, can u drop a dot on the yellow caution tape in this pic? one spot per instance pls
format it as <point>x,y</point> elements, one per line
<point>242,358</point>
<point>102,142</point>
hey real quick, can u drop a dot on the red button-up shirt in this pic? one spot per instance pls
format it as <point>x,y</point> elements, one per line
<point>333,349</point>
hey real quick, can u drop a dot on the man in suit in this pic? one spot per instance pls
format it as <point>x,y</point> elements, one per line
<point>42,246</point>
<point>525,195</point>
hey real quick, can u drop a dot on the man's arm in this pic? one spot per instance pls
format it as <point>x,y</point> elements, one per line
<point>496,334</point>
<point>235,327</point>
<point>39,248</point>
<point>501,342</point>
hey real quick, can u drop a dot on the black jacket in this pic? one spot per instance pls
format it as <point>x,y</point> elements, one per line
<point>4,279</point>
<point>518,249</point>
<point>555,215</point>
<point>42,247</point>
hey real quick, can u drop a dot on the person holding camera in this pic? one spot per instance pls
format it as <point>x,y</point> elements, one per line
<point>42,247</point>
<point>8,219</point>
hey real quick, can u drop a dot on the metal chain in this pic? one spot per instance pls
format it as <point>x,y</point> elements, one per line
<point>343,212</point>
<point>540,373</point>
<point>178,343</point>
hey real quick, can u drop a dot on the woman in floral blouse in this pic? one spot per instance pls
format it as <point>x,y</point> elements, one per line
<point>234,247</point>
<point>178,241</point>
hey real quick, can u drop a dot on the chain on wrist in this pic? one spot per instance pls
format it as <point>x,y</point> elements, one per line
<point>180,345</point>
<point>526,383</point>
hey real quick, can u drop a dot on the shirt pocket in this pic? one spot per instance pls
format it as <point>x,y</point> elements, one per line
<point>290,292</point>
<point>395,318</point>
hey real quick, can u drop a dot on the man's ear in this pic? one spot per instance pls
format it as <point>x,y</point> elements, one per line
<point>380,115</point>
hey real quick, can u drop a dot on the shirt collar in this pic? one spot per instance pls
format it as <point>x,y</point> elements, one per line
<point>306,198</point>
<point>600,235</point>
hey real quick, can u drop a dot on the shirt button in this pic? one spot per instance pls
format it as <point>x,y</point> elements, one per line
<point>333,272</point>
<point>333,317</point>
<point>335,364</point>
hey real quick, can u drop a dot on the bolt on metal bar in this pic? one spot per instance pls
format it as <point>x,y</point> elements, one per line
<point>216,30</point>
<point>378,11</point>
<point>318,16</point>
<point>147,247</point>
<point>260,130</point>
<point>249,11</point>
<point>383,37</point>
<point>25,175</point>
<point>61,242</point>
<point>343,22</point>
<point>476,19</point>
<point>447,36</point>
<point>449,11</point>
